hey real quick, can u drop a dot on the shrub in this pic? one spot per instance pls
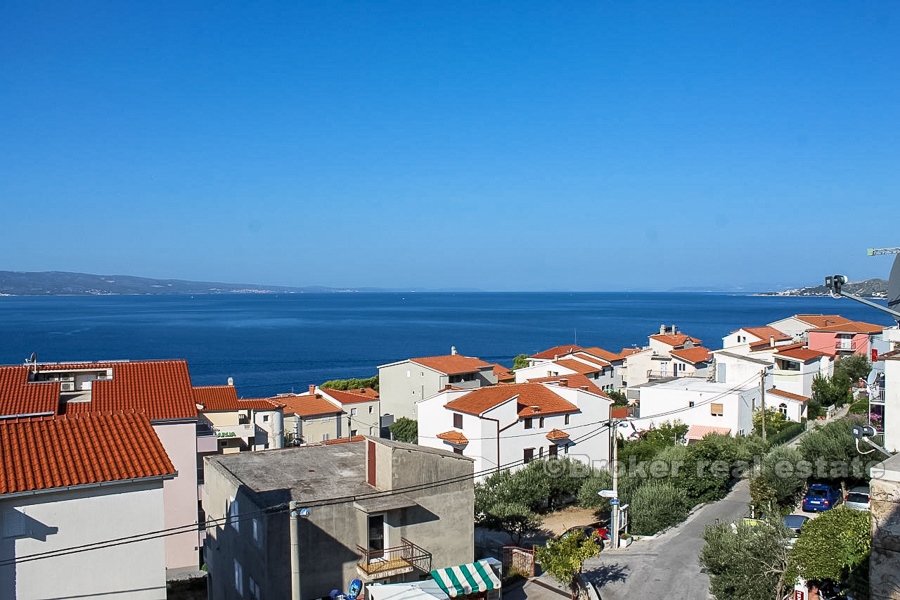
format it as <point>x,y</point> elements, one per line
<point>656,505</point>
<point>787,434</point>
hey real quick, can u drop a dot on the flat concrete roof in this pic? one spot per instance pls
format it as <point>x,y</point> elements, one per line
<point>742,357</point>
<point>695,384</point>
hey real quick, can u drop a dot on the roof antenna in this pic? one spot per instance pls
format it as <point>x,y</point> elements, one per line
<point>576,336</point>
<point>33,360</point>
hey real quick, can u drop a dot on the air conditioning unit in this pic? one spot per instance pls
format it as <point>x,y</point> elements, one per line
<point>67,386</point>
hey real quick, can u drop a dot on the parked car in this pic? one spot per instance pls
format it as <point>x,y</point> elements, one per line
<point>821,496</point>
<point>858,498</point>
<point>600,533</point>
<point>795,523</point>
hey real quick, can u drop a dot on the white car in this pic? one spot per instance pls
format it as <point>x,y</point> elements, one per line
<point>858,498</point>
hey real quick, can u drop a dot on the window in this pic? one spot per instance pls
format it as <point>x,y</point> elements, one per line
<point>528,455</point>
<point>352,433</point>
<point>257,531</point>
<point>325,437</point>
<point>238,578</point>
<point>253,587</point>
<point>371,431</point>
<point>567,419</point>
<point>716,410</point>
<point>407,374</point>
<point>541,423</point>
<point>265,418</point>
<point>691,404</point>
<point>552,450</point>
<point>457,420</point>
<point>352,412</point>
<point>527,422</point>
<point>233,515</point>
<point>541,452</point>
<point>782,408</point>
<point>566,449</point>
<point>371,408</point>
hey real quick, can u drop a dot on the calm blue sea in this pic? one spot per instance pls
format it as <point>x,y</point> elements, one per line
<point>279,343</point>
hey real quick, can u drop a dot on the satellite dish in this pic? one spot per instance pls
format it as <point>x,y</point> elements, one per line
<point>893,288</point>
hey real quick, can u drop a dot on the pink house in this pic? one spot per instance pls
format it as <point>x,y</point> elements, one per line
<point>844,339</point>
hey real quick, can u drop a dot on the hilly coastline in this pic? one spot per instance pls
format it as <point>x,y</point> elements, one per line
<point>870,288</point>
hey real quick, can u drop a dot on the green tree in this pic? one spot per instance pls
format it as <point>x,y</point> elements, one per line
<point>564,558</point>
<point>589,492</point>
<point>405,429</point>
<point>351,384</point>
<point>831,452</point>
<point>833,545</point>
<point>508,502</point>
<point>855,367</point>
<point>832,391</point>
<point>780,480</point>
<point>775,421</point>
<point>656,505</point>
<point>520,361</point>
<point>618,397</point>
<point>746,562</point>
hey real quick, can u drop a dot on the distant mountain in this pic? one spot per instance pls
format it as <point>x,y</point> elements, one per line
<point>58,283</point>
<point>870,288</point>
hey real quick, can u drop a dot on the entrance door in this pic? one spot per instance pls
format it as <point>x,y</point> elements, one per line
<point>376,536</point>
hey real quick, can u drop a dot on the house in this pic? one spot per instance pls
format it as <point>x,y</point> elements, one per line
<point>580,362</point>
<point>796,367</point>
<point>239,424</point>
<point>506,426</point>
<point>655,361</point>
<point>404,383</point>
<point>377,510</point>
<point>845,339</point>
<point>160,390</point>
<point>362,409</point>
<point>755,335</point>
<point>310,417</point>
<point>733,368</point>
<point>792,406</point>
<point>698,402</point>
<point>86,482</point>
<point>796,326</point>
<point>691,362</point>
<point>503,374</point>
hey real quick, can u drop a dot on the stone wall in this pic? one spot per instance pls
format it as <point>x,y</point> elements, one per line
<point>884,573</point>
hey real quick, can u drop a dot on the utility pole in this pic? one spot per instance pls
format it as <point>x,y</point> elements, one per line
<point>295,550</point>
<point>762,395</point>
<point>614,425</point>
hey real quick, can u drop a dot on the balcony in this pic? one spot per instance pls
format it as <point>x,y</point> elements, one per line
<point>847,345</point>
<point>206,438</point>
<point>390,562</point>
<point>243,431</point>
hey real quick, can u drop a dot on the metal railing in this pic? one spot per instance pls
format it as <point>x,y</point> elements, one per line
<point>390,561</point>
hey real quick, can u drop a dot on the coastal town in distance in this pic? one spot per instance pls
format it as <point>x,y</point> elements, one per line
<point>448,476</point>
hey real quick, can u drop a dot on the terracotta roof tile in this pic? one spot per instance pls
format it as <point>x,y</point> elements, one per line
<point>18,397</point>
<point>53,452</point>
<point>215,398</point>
<point>305,405</point>
<point>348,397</point>
<point>355,438</point>
<point>159,389</point>
<point>557,434</point>
<point>766,332</point>
<point>850,327</point>
<point>698,432</point>
<point>788,395</point>
<point>453,437</point>
<point>618,412</point>
<point>674,340</point>
<point>451,364</point>
<point>697,354</point>
<point>526,394</point>
<point>503,374</point>
<point>822,320</point>
<point>575,380</point>
<point>804,354</point>
<point>557,351</point>
<point>578,366</point>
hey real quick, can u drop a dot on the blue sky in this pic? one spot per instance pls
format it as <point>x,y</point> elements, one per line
<point>492,145</point>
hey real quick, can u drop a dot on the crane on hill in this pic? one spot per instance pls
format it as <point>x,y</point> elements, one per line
<point>881,251</point>
<point>834,283</point>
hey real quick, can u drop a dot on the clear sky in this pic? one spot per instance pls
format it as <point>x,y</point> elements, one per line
<point>494,145</point>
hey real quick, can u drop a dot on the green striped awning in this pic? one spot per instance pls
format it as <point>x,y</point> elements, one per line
<point>466,579</point>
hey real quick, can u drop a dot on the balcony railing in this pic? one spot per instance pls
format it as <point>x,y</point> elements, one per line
<point>245,431</point>
<point>847,345</point>
<point>381,564</point>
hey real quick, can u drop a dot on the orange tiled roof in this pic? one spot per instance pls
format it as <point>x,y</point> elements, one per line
<point>502,373</point>
<point>527,395</point>
<point>53,452</point>
<point>355,438</point>
<point>788,395</point>
<point>590,358</point>
<point>850,327</point>
<point>224,397</point>
<point>766,332</point>
<point>674,340</point>
<point>609,356</point>
<point>557,434</point>
<point>348,397</point>
<point>18,397</point>
<point>822,320</point>
<point>575,380</point>
<point>578,366</point>
<point>698,432</point>
<point>697,354</point>
<point>804,354</point>
<point>556,351</point>
<point>304,405</point>
<point>451,364</point>
<point>618,412</point>
<point>160,389</point>
<point>453,437</point>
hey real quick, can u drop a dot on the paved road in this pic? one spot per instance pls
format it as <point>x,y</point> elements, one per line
<point>666,567</point>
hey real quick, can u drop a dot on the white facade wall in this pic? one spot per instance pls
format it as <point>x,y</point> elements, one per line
<point>892,405</point>
<point>800,382</point>
<point>63,519</point>
<point>269,429</point>
<point>737,405</point>
<point>180,441</point>
<point>514,438</point>
<point>739,338</point>
<point>541,369</point>
<point>795,410</point>
<point>737,371</point>
<point>636,367</point>
<point>791,326</point>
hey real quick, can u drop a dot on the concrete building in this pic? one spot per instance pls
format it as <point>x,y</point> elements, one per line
<point>699,402</point>
<point>580,362</point>
<point>796,367</point>
<point>755,335</point>
<point>404,383</point>
<point>76,482</point>
<point>691,362</point>
<point>311,418</point>
<point>507,426</point>
<point>160,390</point>
<point>792,406</point>
<point>889,396</point>
<point>362,409</point>
<point>378,510</point>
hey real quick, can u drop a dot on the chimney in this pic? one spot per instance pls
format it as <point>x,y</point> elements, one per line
<point>535,409</point>
<point>772,341</point>
<point>312,390</point>
<point>563,383</point>
<point>662,329</point>
<point>453,350</point>
<point>231,381</point>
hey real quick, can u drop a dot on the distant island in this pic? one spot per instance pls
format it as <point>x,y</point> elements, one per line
<point>870,288</point>
<point>60,283</point>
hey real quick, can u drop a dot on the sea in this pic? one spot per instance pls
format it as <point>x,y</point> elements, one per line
<point>272,343</point>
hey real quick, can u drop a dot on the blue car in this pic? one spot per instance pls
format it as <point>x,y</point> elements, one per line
<point>821,497</point>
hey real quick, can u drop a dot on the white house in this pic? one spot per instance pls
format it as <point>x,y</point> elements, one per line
<point>796,367</point>
<point>796,326</point>
<point>890,395</point>
<point>596,369</point>
<point>510,425</point>
<point>792,406</point>
<point>747,336</point>
<point>82,482</point>
<point>698,402</point>
<point>691,362</point>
